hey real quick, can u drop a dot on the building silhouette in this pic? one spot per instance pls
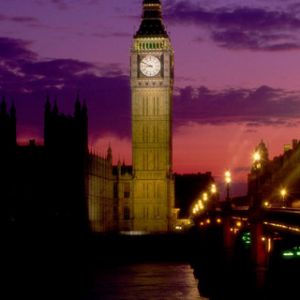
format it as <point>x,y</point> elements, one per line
<point>43,187</point>
<point>281,172</point>
<point>7,160</point>
<point>60,186</point>
<point>65,187</point>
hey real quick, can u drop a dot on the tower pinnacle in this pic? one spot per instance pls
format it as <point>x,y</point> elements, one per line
<point>152,24</point>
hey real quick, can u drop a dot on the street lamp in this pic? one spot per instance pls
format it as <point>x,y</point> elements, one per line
<point>213,192</point>
<point>257,160</point>
<point>205,196</point>
<point>195,209</point>
<point>256,170</point>
<point>283,193</point>
<point>227,181</point>
<point>213,189</point>
<point>200,205</point>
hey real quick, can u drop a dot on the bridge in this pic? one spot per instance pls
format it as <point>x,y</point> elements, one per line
<point>249,253</point>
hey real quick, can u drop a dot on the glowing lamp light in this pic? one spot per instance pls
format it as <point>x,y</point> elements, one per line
<point>292,253</point>
<point>256,156</point>
<point>283,192</point>
<point>238,223</point>
<point>200,205</point>
<point>227,177</point>
<point>213,188</point>
<point>256,160</point>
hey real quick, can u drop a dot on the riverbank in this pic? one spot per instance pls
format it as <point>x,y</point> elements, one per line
<point>44,266</point>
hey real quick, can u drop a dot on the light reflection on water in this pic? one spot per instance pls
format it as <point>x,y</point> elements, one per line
<point>158,281</point>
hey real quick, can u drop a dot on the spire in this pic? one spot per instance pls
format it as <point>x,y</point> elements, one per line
<point>262,148</point>
<point>109,153</point>
<point>84,108</point>
<point>77,105</point>
<point>47,105</point>
<point>55,108</point>
<point>152,24</point>
<point>119,167</point>
<point>3,106</point>
<point>13,110</point>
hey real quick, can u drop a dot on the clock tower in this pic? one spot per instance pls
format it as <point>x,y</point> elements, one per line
<point>151,109</point>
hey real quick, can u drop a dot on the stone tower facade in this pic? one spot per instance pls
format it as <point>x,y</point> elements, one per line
<point>151,103</point>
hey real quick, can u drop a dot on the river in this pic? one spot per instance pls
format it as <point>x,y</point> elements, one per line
<point>145,281</point>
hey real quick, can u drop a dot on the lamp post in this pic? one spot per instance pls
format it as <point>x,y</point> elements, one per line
<point>256,168</point>
<point>213,189</point>
<point>213,192</point>
<point>227,181</point>
<point>283,193</point>
<point>256,160</point>
<point>200,205</point>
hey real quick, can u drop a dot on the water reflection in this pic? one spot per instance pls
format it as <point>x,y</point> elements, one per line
<point>146,281</point>
<point>224,273</point>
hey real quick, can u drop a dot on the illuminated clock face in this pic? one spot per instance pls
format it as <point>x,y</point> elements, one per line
<point>150,65</point>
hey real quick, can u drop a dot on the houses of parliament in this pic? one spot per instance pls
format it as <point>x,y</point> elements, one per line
<point>62,185</point>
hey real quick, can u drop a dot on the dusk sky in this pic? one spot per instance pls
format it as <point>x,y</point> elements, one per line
<point>237,74</point>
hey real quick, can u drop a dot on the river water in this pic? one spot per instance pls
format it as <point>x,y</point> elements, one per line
<point>146,281</point>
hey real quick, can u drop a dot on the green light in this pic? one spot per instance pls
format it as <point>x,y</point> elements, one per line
<point>288,253</point>
<point>293,252</point>
<point>246,238</point>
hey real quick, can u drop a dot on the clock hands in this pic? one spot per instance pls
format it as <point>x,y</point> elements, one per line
<point>151,66</point>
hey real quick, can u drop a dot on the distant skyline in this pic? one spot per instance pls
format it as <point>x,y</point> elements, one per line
<point>237,71</point>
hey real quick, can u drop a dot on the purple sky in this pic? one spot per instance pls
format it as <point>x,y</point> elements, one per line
<point>237,71</point>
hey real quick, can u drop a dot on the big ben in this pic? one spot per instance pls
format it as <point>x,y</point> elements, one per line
<point>151,108</point>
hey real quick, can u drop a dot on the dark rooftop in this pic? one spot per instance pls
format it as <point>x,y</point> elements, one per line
<point>152,2</point>
<point>152,23</point>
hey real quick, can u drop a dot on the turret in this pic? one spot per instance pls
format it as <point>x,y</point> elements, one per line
<point>84,109</point>
<point>55,108</point>
<point>109,154</point>
<point>77,106</point>
<point>13,122</point>
<point>7,125</point>
<point>263,151</point>
<point>13,111</point>
<point>119,168</point>
<point>47,106</point>
<point>3,106</point>
<point>47,120</point>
